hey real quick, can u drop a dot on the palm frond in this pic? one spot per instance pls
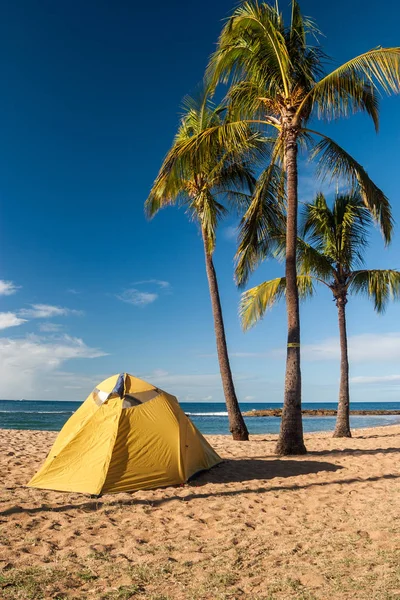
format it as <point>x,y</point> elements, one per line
<point>256,301</point>
<point>310,261</point>
<point>251,42</point>
<point>339,233</point>
<point>352,219</point>
<point>247,99</point>
<point>297,27</point>
<point>262,220</point>
<point>355,85</point>
<point>379,285</point>
<point>172,186</point>
<point>210,157</point>
<point>307,61</point>
<point>232,174</point>
<point>205,209</point>
<point>234,137</point>
<point>317,222</point>
<point>349,97</point>
<point>334,162</point>
<point>238,202</point>
<point>301,26</point>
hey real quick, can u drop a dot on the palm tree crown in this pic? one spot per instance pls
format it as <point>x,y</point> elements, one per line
<point>335,253</point>
<point>278,79</point>
<point>201,180</point>
<point>331,252</point>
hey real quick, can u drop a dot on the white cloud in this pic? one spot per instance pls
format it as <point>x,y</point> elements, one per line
<point>162,284</point>
<point>230,232</point>
<point>241,354</point>
<point>310,184</point>
<point>50,327</point>
<point>368,347</point>
<point>46,311</point>
<point>59,380</point>
<point>7,288</point>
<point>376,379</point>
<point>72,387</point>
<point>207,398</point>
<point>248,398</point>
<point>137,298</point>
<point>72,291</point>
<point>10,319</point>
<point>142,298</point>
<point>249,354</point>
<point>159,373</point>
<point>29,366</point>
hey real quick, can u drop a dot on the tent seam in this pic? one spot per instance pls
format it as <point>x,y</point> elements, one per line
<point>112,451</point>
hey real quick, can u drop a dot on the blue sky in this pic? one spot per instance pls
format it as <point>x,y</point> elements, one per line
<point>90,103</point>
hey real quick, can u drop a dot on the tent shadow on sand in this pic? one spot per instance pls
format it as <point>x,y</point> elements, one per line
<point>229,471</point>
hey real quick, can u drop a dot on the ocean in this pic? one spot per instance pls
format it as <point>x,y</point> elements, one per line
<point>209,417</point>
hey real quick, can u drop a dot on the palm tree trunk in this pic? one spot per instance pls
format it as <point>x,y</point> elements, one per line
<point>342,428</point>
<point>237,425</point>
<point>291,434</point>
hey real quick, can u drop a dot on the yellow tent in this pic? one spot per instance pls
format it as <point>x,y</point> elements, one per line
<point>127,435</point>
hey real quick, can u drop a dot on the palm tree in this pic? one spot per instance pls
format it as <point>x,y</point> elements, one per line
<point>201,180</point>
<point>332,253</point>
<point>278,80</point>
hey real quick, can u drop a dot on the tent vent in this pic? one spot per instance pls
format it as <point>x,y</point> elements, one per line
<point>139,397</point>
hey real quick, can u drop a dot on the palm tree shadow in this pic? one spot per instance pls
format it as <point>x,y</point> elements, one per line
<point>313,436</point>
<point>241,470</point>
<point>354,452</point>
<point>382,435</point>
<point>350,452</point>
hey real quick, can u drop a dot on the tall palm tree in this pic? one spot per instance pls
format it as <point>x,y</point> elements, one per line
<point>332,253</point>
<point>201,180</point>
<point>278,80</point>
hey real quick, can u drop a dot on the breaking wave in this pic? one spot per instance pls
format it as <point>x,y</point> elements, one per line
<point>207,414</point>
<point>39,412</point>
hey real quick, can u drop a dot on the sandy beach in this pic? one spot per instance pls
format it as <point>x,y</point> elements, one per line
<point>326,525</point>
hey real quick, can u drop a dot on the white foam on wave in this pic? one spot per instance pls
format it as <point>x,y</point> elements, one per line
<point>38,412</point>
<point>207,414</point>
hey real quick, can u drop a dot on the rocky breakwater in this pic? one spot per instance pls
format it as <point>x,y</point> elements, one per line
<point>316,412</point>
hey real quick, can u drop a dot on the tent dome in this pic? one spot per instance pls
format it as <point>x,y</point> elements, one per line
<point>127,435</point>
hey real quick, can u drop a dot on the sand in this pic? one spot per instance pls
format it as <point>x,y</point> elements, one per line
<point>322,526</point>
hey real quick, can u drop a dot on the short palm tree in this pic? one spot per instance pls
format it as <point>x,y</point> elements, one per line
<point>332,253</point>
<point>201,181</point>
<point>278,80</point>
